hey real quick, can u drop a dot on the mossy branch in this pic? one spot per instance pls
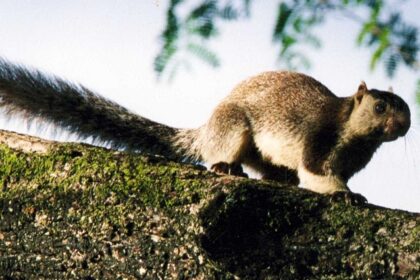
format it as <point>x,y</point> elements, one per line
<point>77,211</point>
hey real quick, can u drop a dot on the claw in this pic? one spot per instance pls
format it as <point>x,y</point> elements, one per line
<point>231,169</point>
<point>349,198</point>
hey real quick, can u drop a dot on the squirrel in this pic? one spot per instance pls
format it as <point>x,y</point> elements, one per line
<point>286,125</point>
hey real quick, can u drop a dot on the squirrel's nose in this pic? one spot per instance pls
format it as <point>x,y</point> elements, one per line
<point>398,125</point>
<point>404,126</point>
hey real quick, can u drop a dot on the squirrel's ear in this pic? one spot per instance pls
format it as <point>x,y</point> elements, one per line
<point>390,89</point>
<point>360,92</point>
<point>362,86</point>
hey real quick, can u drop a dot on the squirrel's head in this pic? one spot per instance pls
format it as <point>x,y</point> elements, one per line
<point>382,115</point>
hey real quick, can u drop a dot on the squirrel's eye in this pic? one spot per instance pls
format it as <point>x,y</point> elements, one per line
<point>380,107</point>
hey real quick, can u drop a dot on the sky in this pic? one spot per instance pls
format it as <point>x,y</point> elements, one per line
<point>109,47</point>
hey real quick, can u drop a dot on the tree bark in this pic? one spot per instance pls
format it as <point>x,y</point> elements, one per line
<point>83,212</point>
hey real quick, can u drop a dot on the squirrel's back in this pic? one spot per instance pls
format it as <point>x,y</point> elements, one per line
<point>285,98</point>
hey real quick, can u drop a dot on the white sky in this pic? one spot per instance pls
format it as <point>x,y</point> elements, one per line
<point>109,46</point>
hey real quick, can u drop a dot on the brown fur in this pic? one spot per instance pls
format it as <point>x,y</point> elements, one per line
<point>285,125</point>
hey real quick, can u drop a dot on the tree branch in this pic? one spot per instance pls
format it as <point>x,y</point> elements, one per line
<point>76,211</point>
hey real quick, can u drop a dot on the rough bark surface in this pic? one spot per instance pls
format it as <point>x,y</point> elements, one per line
<point>73,211</point>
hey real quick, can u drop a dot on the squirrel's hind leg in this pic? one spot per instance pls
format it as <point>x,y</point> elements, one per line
<point>226,139</point>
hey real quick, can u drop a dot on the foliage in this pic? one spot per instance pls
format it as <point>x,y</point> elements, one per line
<point>392,41</point>
<point>190,33</point>
<point>418,91</point>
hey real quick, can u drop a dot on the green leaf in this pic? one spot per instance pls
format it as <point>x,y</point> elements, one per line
<point>229,13</point>
<point>418,91</point>
<point>376,7</point>
<point>284,13</point>
<point>162,59</point>
<point>297,24</point>
<point>202,27</point>
<point>169,37</point>
<point>366,29</point>
<point>204,54</point>
<point>376,56</point>
<point>383,46</point>
<point>287,42</point>
<point>206,10</point>
<point>175,3</point>
<point>391,64</point>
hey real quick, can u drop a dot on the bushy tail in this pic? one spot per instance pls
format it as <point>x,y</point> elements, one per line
<point>36,96</point>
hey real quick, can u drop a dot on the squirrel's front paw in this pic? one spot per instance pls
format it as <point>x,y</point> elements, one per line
<point>348,197</point>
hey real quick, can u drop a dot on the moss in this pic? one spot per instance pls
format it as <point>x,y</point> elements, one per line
<point>96,207</point>
<point>85,212</point>
<point>295,234</point>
